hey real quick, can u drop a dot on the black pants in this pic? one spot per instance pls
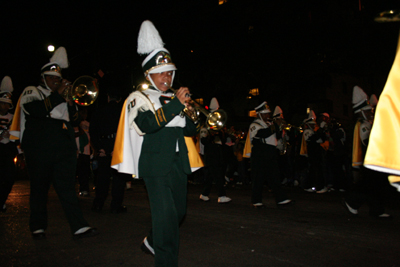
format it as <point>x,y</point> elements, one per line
<point>53,164</point>
<point>217,174</point>
<point>83,171</point>
<point>8,171</point>
<point>369,189</point>
<point>316,177</point>
<point>103,180</point>
<point>266,170</point>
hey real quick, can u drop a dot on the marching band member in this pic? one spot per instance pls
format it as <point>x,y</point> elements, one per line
<point>312,139</point>
<point>369,184</point>
<point>8,149</point>
<point>264,158</point>
<point>151,144</point>
<point>48,141</point>
<point>283,139</point>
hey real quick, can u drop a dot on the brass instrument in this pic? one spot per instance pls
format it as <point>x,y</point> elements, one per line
<point>282,126</point>
<point>214,120</point>
<point>84,91</point>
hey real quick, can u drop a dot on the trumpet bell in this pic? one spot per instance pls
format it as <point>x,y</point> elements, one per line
<point>216,120</point>
<point>85,91</point>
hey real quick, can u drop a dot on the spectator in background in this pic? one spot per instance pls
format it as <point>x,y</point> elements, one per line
<point>84,152</point>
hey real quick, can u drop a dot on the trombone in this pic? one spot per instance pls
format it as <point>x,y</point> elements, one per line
<point>84,91</point>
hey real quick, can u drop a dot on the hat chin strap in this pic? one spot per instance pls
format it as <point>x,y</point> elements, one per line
<point>362,112</point>
<point>44,81</point>
<point>154,85</point>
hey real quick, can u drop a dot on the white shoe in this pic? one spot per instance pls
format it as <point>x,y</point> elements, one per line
<point>284,202</point>
<point>350,209</point>
<point>310,190</point>
<point>323,190</point>
<point>258,205</point>
<point>385,216</point>
<point>204,198</point>
<point>224,199</point>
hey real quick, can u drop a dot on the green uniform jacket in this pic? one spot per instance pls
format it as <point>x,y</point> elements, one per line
<point>159,142</point>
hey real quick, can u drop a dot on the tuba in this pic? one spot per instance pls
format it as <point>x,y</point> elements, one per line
<point>215,120</point>
<point>84,91</point>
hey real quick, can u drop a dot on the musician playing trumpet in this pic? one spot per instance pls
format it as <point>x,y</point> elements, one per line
<point>264,158</point>
<point>150,144</point>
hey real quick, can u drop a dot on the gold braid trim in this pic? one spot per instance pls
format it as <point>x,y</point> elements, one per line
<point>156,115</point>
<point>47,104</point>
<point>163,114</point>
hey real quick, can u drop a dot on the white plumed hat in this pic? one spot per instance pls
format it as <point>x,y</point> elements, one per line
<point>151,44</point>
<point>360,100</point>
<point>58,61</point>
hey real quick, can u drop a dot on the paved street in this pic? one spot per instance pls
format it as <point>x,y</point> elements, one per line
<point>316,231</point>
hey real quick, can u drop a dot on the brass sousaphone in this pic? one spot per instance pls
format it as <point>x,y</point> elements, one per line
<point>84,91</point>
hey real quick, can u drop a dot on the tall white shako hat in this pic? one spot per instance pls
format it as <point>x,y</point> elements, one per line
<point>278,113</point>
<point>6,90</point>
<point>360,100</point>
<point>311,118</point>
<point>58,61</point>
<point>158,58</point>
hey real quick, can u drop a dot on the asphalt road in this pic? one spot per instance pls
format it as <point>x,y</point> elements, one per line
<point>316,231</point>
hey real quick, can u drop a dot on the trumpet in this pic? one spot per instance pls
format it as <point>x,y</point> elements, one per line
<point>215,120</point>
<point>84,91</point>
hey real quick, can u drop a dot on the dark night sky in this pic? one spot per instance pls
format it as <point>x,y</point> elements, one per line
<point>288,39</point>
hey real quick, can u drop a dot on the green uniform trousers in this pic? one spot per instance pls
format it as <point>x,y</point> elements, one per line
<point>167,196</point>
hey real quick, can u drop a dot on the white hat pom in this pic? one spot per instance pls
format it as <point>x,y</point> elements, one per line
<point>214,104</point>
<point>359,96</point>
<point>278,111</point>
<point>149,39</point>
<point>373,100</point>
<point>6,85</point>
<point>311,117</point>
<point>60,57</point>
<point>360,100</point>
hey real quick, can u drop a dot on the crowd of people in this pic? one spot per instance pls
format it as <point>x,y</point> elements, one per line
<point>147,137</point>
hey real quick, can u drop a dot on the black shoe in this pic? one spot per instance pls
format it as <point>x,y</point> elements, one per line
<point>120,209</point>
<point>3,209</point>
<point>39,236</point>
<point>96,208</point>
<point>88,233</point>
<point>146,248</point>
